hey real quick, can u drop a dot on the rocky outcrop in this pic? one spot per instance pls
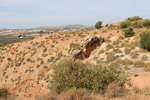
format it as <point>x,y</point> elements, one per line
<point>90,43</point>
<point>87,46</point>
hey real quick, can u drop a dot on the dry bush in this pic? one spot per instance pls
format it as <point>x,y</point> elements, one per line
<point>110,57</point>
<point>107,39</point>
<point>117,42</point>
<point>147,67</point>
<point>12,53</point>
<point>136,90</point>
<point>95,33</point>
<point>108,47</point>
<point>52,46</point>
<point>127,50</point>
<point>117,50</point>
<point>41,73</point>
<point>71,94</point>
<point>75,94</point>
<point>46,97</point>
<point>121,37</point>
<point>134,54</point>
<point>144,58</point>
<point>139,63</point>
<point>113,91</point>
<point>125,44</point>
<point>44,49</point>
<point>44,55</point>
<point>126,68</point>
<point>125,62</point>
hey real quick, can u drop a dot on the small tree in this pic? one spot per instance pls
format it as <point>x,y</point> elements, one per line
<point>144,41</point>
<point>98,25</point>
<point>128,32</point>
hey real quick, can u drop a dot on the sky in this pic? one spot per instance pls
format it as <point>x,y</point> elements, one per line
<point>17,14</point>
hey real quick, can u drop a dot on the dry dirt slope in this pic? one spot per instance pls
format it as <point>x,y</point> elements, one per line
<point>25,68</point>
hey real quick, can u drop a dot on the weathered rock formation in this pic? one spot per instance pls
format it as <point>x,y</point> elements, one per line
<point>87,46</point>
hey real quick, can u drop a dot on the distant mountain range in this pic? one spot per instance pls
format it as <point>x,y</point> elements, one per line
<point>48,29</point>
<point>69,27</point>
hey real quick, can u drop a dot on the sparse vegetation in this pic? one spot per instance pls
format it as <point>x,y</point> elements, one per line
<point>135,22</point>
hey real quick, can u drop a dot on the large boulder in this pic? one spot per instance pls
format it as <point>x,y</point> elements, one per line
<point>86,47</point>
<point>90,43</point>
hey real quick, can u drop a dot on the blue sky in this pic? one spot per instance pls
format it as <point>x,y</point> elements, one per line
<point>16,14</point>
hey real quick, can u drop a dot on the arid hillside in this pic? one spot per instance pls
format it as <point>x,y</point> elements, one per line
<point>26,67</point>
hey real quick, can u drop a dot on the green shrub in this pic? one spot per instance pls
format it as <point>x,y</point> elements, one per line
<point>146,23</point>
<point>75,74</point>
<point>128,32</point>
<point>125,24</point>
<point>137,24</point>
<point>135,18</point>
<point>98,25</point>
<point>4,93</point>
<point>144,41</point>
